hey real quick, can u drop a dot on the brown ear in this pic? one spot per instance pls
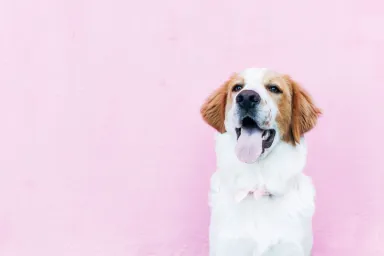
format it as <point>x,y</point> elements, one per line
<point>213,110</point>
<point>304,111</point>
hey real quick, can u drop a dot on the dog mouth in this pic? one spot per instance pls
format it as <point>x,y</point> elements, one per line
<point>248,124</point>
<point>252,140</point>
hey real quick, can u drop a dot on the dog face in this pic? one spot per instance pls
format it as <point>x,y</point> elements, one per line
<point>260,108</point>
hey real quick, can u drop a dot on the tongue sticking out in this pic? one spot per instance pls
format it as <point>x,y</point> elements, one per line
<point>249,145</point>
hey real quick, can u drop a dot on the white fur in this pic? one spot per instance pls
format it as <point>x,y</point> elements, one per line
<point>277,226</point>
<point>259,227</point>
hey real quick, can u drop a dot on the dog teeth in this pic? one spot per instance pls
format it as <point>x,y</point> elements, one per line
<point>265,135</point>
<point>238,132</point>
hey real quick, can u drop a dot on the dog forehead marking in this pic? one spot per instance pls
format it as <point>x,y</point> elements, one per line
<point>254,75</point>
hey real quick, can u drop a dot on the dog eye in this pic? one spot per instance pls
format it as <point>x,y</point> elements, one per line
<point>273,88</point>
<point>237,87</point>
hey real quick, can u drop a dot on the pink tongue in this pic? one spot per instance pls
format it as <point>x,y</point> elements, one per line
<point>249,146</point>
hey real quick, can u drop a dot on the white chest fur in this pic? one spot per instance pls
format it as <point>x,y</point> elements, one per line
<point>259,226</point>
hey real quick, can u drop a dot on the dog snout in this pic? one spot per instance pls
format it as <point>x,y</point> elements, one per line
<point>248,99</point>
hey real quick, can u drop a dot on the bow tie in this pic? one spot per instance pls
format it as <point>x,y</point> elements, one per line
<point>255,193</point>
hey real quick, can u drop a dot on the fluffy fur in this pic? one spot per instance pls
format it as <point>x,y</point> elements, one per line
<point>277,225</point>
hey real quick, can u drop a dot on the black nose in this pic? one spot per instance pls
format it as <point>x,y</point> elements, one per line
<point>248,99</point>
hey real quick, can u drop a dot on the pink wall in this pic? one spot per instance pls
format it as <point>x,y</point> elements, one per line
<point>102,149</point>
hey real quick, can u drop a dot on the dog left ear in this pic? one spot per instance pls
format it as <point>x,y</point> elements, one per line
<point>304,112</point>
<point>213,109</point>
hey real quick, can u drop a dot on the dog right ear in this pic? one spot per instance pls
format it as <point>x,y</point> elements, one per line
<point>304,112</point>
<point>213,109</point>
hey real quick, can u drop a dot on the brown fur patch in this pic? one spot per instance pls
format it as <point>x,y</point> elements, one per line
<point>304,113</point>
<point>283,118</point>
<point>213,109</point>
<point>284,104</point>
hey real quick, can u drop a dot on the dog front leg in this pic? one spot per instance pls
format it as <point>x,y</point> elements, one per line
<point>285,249</point>
<point>234,247</point>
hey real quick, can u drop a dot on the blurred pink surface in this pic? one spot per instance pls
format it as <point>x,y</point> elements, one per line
<point>102,149</point>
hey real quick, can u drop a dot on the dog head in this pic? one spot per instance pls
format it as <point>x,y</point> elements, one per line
<point>260,108</point>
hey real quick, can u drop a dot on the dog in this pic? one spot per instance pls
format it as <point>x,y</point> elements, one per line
<point>261,202</point>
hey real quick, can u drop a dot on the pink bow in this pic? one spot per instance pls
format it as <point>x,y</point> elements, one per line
<point>256,193</point>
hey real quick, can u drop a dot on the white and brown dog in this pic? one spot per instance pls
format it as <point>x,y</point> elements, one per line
<point>261,202</point>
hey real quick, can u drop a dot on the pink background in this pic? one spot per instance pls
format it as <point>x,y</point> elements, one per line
<point>102,149</point>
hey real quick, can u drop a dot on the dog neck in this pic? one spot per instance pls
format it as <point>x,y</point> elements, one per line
<point>274,172</point>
